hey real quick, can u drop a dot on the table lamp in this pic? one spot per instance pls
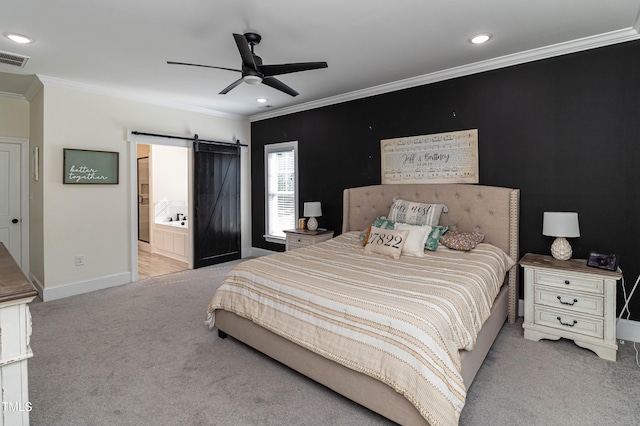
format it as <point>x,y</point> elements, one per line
<point>312,210</point>
<point>561,225</point>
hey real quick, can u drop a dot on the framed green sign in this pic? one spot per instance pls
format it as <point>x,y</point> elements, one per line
<point>84,166</point>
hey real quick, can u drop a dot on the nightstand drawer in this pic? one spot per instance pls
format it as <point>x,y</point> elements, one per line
<point>568,322</point>
<point>570,281</point>
<point>569,301</point>
<point>299,240</point>
<point>293,246</point>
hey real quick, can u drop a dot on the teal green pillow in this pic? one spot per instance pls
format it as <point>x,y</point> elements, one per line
<point>383,223</point>
<point>434,237</point>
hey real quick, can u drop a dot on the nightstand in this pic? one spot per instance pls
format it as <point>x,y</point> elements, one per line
<point>297,238</point>
<point>567,298</point>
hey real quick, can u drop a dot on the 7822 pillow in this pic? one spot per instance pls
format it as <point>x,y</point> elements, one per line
<point>386,241</point>
<point>415,213</point>
<point>380,222</point>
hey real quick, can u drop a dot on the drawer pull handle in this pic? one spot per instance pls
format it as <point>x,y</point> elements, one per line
<point>566,323</point>
<point>567,282</point>
<point>568,303</point>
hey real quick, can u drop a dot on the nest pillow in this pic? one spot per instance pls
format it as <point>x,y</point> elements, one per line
<point>415,213</point>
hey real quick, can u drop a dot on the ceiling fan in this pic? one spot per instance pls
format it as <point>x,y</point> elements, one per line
<point>254,72</point>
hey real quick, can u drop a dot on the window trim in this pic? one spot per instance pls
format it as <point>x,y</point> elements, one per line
<point>270,149</point>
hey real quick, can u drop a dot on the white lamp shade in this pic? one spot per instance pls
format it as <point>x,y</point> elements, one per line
<point>312,209</point>
<point>561,224</point>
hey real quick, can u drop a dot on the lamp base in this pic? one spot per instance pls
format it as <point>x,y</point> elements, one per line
<point>312,224</point>
<point>561,249</point>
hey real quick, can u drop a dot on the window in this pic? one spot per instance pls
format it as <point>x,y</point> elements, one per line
<point>281,177</point>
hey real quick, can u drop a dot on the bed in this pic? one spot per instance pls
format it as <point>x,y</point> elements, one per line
<point>492,211</point>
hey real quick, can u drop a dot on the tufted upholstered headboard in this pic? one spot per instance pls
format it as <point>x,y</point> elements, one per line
<point>493,211</point>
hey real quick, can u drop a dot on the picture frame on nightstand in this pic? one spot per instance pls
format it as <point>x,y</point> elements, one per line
<point>603,261</point>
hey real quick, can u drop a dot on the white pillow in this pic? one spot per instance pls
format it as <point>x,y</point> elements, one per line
<point>386,241</point>
<point>414,245</point>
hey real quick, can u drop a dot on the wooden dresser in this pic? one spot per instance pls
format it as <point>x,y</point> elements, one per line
<point>567,298</point>
<point>16,291</point>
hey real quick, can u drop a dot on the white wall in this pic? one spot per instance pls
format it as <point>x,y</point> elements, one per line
<point>93,220</point>
<point>14,118</point>
<point>170,175</point>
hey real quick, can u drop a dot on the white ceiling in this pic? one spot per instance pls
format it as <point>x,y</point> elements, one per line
<point>120,47</point>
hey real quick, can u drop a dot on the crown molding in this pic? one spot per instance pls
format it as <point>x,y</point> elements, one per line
<point>99,90</point>
<point>13,97</point>
<point>33,88</point>
<point>532,55</point>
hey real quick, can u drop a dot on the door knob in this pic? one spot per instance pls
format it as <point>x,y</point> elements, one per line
<point>14,221</point>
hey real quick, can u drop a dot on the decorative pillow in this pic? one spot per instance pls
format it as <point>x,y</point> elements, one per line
<point>434,236</point>
<point>380,222</point>
<point>416,240</point>
<point>386,241</point>
<point>464,241</point>
<point>415,213</point>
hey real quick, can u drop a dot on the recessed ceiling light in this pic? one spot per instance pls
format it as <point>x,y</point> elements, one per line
<point>480,38</point>
<point>18,38</point>
<point>262,100</point>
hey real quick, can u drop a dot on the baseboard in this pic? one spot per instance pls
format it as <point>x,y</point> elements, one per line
<point>37,283</point>
<point>170,255</point>
<point>258,252</point>
<point>80,287</point>
<point>628,330</point>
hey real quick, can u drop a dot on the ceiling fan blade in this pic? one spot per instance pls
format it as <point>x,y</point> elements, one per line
<point>245,52</point>
<point>269,70</point>
<point>278,85</point>
<point>229,87</point>
<point>198,65</point>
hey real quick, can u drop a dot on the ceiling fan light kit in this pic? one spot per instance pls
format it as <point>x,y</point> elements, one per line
<point>252,79</point>
<point>254,72</point>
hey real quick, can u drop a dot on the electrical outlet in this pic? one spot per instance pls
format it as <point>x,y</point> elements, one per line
<point>79,260</point>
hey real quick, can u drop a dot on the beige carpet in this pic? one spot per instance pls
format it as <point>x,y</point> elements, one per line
<point>140,354</point>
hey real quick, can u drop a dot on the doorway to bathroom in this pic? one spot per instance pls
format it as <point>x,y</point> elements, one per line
<point>164,237</point>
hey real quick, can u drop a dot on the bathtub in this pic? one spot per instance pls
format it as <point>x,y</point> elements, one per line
<point>171,239</point>
<point>176,223</point>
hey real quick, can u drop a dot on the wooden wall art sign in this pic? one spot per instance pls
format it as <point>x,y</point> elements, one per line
<point>82,166</point>
<point>437,158</point>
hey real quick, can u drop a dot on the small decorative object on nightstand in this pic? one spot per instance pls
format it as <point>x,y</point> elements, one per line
<point>297,238</point>
<point>312,210</point>
<point>562,225</point>
<point>567,298</point>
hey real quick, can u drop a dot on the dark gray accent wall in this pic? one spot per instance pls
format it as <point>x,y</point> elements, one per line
<point>564,130</point>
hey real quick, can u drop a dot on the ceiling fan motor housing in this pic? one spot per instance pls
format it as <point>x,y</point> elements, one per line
<point>253,38</point>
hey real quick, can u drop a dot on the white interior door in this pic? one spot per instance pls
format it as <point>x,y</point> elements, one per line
<point>10,219</point>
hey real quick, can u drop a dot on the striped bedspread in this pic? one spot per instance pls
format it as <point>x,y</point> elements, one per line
<point>400,321</point>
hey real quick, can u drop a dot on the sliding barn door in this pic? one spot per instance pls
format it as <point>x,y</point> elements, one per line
<point>216,221</point>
